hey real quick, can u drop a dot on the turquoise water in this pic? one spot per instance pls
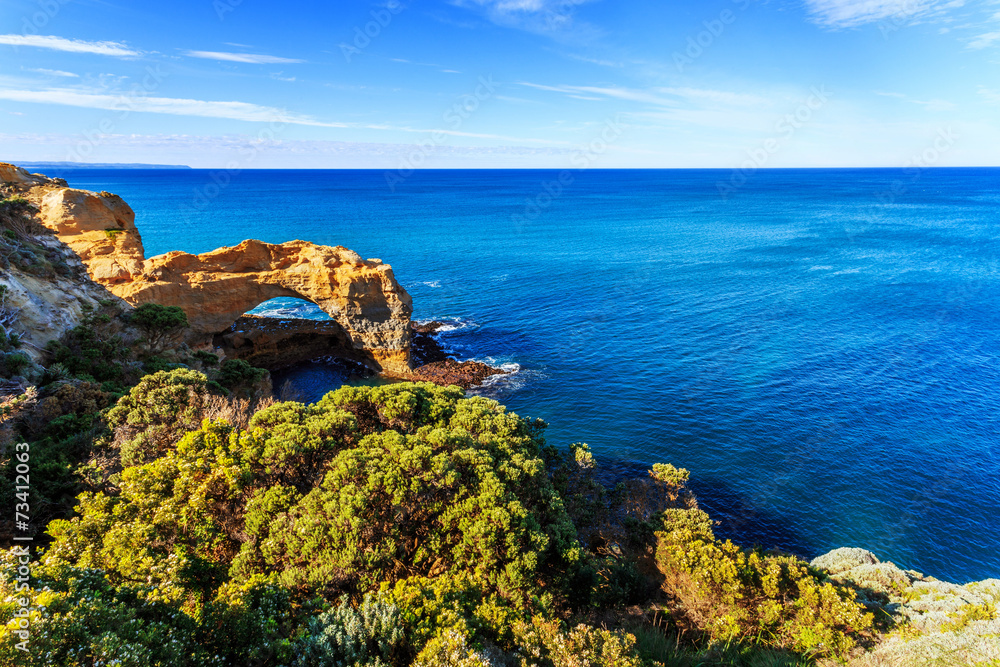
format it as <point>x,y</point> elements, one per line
<point>821,348</point>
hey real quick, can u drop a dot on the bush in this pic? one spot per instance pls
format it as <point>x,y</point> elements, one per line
<point>732,594</point>
<point>156,413</point>
<point>94,349</point>
<point>369,635</point>
<point>238,376</point>
<point>159,322</point>
<point>14,363</point>
<point>335,498</point>
<point>582,646</point>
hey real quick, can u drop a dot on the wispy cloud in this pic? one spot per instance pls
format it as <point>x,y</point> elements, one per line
<point>253,58</point>
<point>991,96</point>
<point>243,111</point>
<point>985,40</point>
<point>52,72</point>
<point>542,16</point>
<point>69,45</point>
<point>936,105</point>
<point>165,105</point>
<point>661,97</point>
<point>852,13</point>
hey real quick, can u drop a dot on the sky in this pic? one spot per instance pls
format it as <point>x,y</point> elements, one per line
<point>405,84</point>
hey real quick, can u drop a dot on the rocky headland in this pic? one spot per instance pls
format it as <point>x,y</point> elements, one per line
<point>217,288</point>
<point>96,234</point>
<point>85,254</point>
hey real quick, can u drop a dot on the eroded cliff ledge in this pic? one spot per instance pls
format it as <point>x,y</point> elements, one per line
<point>216,288</point>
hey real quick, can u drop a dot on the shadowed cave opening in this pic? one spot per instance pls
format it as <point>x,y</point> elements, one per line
<point>299,344</point>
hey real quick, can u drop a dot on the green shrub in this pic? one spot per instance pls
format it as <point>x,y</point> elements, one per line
<point>578,647</point>
<point>451,649</point>
<point>733,594</point>
<point>372,478</point>
<point>207,358</point>
<point>369,635</point>
<point>80,618</point>
<point>156,413</point>
<point>238,376</point>
<point>159,322</point>
<point>14,363</point>
<point>94,350</point>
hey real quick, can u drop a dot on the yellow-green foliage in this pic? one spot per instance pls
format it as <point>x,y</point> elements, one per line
<point>432,606</point>
<point>368,486</point>
<point>969,614</point>
<point>450,649</point>
<point>735,594</point>
<point>544,643</point>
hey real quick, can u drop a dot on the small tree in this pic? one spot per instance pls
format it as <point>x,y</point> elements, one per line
<point>159,322</point>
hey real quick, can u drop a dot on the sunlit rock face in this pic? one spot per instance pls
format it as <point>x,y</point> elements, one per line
<point>216,288</point>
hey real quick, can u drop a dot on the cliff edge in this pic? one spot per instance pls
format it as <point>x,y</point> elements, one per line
<point>216,288</point>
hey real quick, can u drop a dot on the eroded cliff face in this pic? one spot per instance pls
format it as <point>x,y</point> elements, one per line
<point>218,287</point>
<point>214,289</point>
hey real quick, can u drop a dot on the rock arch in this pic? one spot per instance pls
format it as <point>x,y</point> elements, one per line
<point>217,288</point>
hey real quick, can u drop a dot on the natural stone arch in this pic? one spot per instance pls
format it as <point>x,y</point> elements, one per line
<point>217,288</point>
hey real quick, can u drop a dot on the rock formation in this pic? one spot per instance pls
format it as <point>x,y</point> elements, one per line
<point>218,287</point>
<point>947,624</point>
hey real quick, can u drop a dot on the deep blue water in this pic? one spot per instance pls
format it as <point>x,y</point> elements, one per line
<point>824,357</point>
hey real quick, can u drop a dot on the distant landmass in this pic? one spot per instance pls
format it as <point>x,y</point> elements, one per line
<point>33,166</point>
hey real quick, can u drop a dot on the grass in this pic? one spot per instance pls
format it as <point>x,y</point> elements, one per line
<point>668,648</point>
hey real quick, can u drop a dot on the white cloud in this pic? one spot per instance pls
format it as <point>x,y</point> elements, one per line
<point>662,97</point>
<point>69,45</point>
<point>852,13</point>
<point>243,111</point>
<point>540,16</point>
<point>53,72</point>
<point>164,105</point>
<point>985,40</point>
<point>936,105</point>
<point>253,58</point>
<point>991,96</point>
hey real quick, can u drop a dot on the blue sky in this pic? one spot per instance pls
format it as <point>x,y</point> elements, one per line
<point>501,83</point>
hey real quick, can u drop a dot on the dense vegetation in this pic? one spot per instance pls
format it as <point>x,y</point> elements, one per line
<point>403,524</point>
<point>183,517</point>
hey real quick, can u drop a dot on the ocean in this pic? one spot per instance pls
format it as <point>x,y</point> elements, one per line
<point>820,348</point>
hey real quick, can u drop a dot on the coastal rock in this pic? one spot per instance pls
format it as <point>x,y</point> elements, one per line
<point>936,622</point>
<point>843,559</point>
<point>465,374</point>
<point>216,288</point>
<point>47,291</point>
<point>274,343</point>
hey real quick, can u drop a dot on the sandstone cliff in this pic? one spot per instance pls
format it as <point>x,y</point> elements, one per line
<point>216,288</point>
